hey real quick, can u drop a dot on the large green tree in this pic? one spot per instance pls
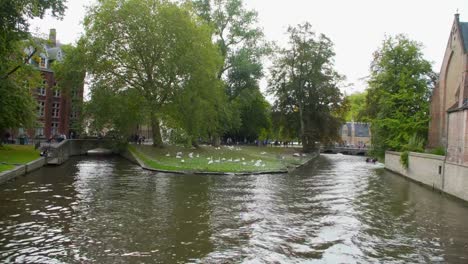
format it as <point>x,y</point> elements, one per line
<point>305,85</point>
<point>156,47</point>
<point>241,44</point>
<point>398,94</point>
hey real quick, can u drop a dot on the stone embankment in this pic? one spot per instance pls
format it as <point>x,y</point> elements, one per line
<point>22,170</point>
<point>433,171</point>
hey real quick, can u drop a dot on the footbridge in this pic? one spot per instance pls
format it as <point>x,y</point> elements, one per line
<point>58,153</point>
<point>344,150</point>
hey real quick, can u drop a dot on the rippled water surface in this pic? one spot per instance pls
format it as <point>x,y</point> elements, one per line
<point>337,210</point>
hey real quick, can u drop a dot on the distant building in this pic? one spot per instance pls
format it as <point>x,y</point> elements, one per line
<point>449,102</point>
<point>55,108</point>
<point>356,134</point>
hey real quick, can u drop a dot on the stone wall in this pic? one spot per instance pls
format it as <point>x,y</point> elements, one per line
<point>21,170</point>
<point>433,171</point>
<point>456,180</point>
<point>425,168</point>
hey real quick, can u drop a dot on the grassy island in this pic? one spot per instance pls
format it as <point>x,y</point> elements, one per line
<point>236,159</point>
<point>11,155</point>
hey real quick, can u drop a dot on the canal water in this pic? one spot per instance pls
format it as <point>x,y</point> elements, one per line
<point>336,210</point>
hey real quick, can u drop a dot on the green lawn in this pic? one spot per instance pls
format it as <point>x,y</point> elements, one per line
<point>223,159</point>
<point>16,154</point>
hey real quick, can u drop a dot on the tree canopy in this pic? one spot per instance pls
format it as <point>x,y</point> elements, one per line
<point>241,44</point>
<point>357,107</point>
<point>305,86</point>
<point>398,94</point>
<point>160,49</point>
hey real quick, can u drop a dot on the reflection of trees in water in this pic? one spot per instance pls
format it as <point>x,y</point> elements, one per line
<point>403,220</point>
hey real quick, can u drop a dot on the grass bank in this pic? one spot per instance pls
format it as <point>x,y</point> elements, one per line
<point>235,159</point>
<point>16,154</point>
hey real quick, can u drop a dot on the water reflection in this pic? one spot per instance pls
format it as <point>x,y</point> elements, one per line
<point>336,210</point>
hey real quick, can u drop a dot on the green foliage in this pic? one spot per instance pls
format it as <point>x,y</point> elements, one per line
<point>304,83</point>
<point>398,96</point>
<point>17,106</point>
<point>241,45</point>
<point>415,144</point>
<point>404,159</point>
<point>119,112</point>
<point>254,112</point>
<point>357,107</point>
<point>438,151</point>
<point>162,51</point>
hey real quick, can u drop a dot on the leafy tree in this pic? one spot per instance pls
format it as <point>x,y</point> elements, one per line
<point>398,94</point>
<point>357,106</point>
<point>254,113</point>
<point>156,47</point>
<point>17,106</point>
<point>116,111</point>
<point>305,85</point>
<point>240,42</point>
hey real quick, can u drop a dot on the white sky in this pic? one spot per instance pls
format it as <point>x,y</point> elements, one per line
<point>357,27</point>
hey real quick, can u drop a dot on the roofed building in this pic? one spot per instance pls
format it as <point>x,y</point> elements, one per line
<point>356,134</point>
<point>449,102</point>
<point>56,111</point>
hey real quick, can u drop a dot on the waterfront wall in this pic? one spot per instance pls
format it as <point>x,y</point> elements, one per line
<point>22,170</point>
<point>433,171</point>
<point>456,180</point>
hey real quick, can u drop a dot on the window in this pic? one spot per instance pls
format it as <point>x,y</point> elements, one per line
<point>42,89</point>
<point>55,109</point>
<point>40,108</point>
<point>39,132</point>
<point>54,127</point>
<point>56,92</point>
<point>74,115</point>
<point>43,63</point>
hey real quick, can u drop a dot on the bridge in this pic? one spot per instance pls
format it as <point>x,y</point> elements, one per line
<point>58,153</point>
<point>344,150</point>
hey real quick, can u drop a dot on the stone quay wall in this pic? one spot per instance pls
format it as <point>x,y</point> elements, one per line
<point>433,171</point>
<point>22,170</point>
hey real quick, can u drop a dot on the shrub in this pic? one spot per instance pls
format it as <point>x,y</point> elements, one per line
<point>404,159</point>
<point>438,151</point>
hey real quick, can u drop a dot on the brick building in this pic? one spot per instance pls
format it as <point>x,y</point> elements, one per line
<point>449,103</point>
<point>57,109</point>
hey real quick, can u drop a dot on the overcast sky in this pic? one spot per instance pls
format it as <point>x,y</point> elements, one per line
<point>356,27</point>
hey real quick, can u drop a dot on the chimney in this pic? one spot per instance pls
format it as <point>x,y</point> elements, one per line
<point>53,37</point>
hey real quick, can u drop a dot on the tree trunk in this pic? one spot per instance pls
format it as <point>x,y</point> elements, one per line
<point>156,130</point>
<point>216,141</point>
<point>308,144</point>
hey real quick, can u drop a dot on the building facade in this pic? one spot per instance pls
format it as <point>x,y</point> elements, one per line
<point>356,134</point>
<point>449,102</point>
<point>57,110</point>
